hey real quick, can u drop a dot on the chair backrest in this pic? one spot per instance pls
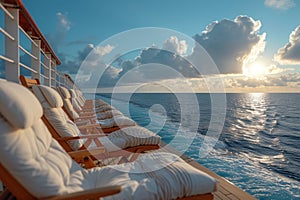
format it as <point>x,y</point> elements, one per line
<point>75,97</point>
<point>64,92</point>
<point>27,82</point>
<point>52,105</point>
<point>80,96</point>
<point>32,162</point>
<point>68,106</point>
<point>76,104</point>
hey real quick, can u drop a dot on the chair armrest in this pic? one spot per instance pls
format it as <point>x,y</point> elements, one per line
<point>89,126</point>
<point>85,152</point>
<point>91,136</point>
<point>84,113</point>
<point>87,111</point>
<point>88,194</point>
<point>86,117</point>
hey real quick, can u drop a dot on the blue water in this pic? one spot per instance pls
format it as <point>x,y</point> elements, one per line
<point>259,146</point>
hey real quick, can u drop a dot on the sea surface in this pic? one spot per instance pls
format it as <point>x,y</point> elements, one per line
<point>258,148</point>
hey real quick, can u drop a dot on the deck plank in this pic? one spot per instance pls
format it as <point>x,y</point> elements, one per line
<point>224,190</point>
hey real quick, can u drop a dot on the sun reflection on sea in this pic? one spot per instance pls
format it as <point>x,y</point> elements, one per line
<point>253,126</point>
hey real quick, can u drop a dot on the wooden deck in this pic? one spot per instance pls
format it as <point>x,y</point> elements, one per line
<point>225,189</point>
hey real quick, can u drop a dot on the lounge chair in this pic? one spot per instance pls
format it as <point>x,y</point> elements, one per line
<point>128,140</point>
<point>106,116</point>
<point>33,165</point>
<point>108,121</point>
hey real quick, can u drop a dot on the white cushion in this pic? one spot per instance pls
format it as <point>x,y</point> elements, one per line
<point>73,94</point>
<point>130,136</point>
<point>154,176</point>
<point>79,97</point>
<point>16,106</point>
<point>103,108</point>
<point>65,92</point>
<point>118,120</point>
<point>70,109</point>
<point>58,119</point>
<point>75,102</point>
<point>76,105</point>
<point>52,96</point>
<point>30,154</point>
<point>65,95</point>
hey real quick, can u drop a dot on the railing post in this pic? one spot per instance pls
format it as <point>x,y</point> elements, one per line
<point>47,61</point>
<point>70,85</point>
<point>12,46</point>
<point>65,80</point>
<point>36,63</point>
<point>62,79</point>
<point>53,74</point>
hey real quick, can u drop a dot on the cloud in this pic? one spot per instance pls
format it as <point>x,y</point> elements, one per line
<point>94,60</point>
<point>232,44</point>
<point>167,58</point>
<point>257,69</point>
<point>174,45</point>
<point>289,54</point>
<point>290,79</point>
<point>170,57</point>
<point>95,54</point>
<point>83,41</point>
<point>88,63</point>
<point>273,69</point>
<point>150,64</point>
<point>63,21</point>
<point>280,4</point>
<point>63,26</point>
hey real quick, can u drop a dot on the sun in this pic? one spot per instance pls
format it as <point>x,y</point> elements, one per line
<point>255,69</point>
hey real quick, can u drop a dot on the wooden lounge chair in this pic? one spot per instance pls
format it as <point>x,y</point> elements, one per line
<point>112,119</point>
<point>87,118</point>
<point>33,165</point>
<point>68,135</point>
<point>86,103</point>
<point>15,122</point>
<point>125,141</point>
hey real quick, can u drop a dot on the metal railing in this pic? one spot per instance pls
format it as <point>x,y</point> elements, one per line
<point>43,69</point>
<point>6,34</point>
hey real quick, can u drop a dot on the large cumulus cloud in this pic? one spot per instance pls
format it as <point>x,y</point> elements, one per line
<point>87,64</point>
<point>290,53</point>
<point>233,44</point>
<point>171,55</point>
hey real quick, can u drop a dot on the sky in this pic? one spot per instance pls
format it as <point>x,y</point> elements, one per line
<point>254,45</point>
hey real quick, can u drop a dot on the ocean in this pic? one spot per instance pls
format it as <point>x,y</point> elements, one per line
<point>258,148</point>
